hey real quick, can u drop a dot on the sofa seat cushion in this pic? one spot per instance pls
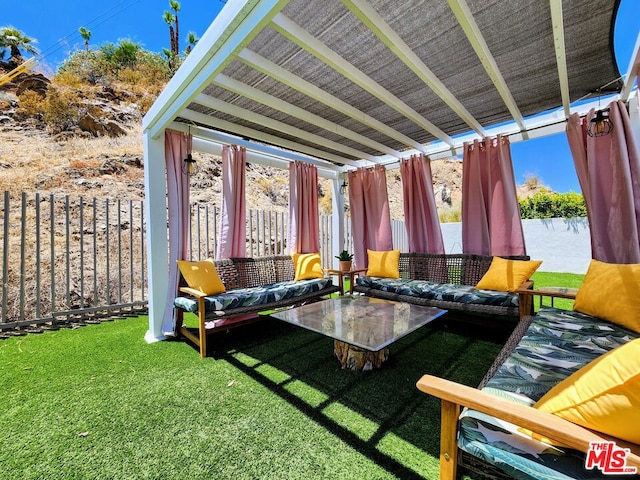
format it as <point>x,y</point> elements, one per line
<point>254,296</point>
<point>557,344</point>
<point>447,292</point>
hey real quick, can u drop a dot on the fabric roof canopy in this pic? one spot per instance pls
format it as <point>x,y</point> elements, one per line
<point>352,80</point>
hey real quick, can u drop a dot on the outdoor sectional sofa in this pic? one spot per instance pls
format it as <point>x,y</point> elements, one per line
<point>252,285</point>
<point>487,438</point>
<point>447,281</point>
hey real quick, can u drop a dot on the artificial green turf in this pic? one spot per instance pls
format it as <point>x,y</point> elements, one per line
<point>272,402</point>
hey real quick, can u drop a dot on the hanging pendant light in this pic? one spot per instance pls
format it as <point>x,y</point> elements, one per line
<point>344,187</point>
<point>189,165</point>
<point>601,124</point>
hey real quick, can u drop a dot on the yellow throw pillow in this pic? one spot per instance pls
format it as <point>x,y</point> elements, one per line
<point>307,266</point>
<point>384,263</point>
<point>507,275</point>
<point>612,292</point>
<point>604,395</point>
<point>202,276</point>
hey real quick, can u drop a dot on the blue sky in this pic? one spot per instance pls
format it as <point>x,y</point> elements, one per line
<point>55,26</point>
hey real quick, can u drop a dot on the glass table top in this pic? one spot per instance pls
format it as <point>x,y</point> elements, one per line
<point>366,322</point>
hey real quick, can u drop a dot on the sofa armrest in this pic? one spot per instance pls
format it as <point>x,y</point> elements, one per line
<point>454,396</point>
<point>525,299</point>
<point>193,292</point>
<point>526,285</point>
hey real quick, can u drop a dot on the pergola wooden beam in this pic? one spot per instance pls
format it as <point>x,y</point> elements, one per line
<point>561,56</point>
<point>281,75</point>
<point>273,124</point>
<point>259,96</point>
<point>374,22</point>
<point>298,35</point>
<point>225,126</point>
<point>474,35</point>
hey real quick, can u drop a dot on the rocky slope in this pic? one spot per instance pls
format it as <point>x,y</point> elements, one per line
<point>101,156</point>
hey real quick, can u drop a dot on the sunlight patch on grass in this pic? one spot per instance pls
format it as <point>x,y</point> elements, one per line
<point>305,392</point>
<point>247,360</point>
<point>99,402</point>
<point>274,374</point>
<point>356,423</point>
<point>409,455</point>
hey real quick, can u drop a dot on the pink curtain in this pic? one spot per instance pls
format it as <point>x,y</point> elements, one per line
<point>233,234</point>
<point>420,212</point>
<point>176,148</point>
<point>608,169</point>
<point>491,223</point>
<point>303,234</point>
<point>370,217</point>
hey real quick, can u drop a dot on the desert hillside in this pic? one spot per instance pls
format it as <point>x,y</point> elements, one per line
<point>99,153</point>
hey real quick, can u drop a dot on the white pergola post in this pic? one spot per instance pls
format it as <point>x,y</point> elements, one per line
<point>337,220</point>
<point>157,240</point>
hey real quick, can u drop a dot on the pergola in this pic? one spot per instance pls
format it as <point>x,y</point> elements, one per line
<point>349,83</point>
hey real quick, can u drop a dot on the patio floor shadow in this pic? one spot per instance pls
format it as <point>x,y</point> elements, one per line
<point>380,413</point>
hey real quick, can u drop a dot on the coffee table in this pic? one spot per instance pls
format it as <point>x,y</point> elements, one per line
<point>362,327</point>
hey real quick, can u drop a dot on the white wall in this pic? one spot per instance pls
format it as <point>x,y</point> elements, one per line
<point>563,245</point>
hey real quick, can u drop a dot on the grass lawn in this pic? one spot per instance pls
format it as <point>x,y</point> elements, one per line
<point>272,402</point>
<point>98,402</point>
<point>547,279</point>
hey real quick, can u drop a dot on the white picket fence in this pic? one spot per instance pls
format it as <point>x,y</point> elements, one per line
<point>75,260</point>
<point>72,260</point>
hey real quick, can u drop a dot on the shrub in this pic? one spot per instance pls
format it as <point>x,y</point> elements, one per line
<point>62,109</point>
<point>87,66</point>
<point>31,104</point>
<point>325,202</point>
<point>120,56</point>
<point>546,204</point>
<point>450,215</point>
<point>145,102</point>
<point>125,62</point>
<point>153,68</point>
<point>70,79</point>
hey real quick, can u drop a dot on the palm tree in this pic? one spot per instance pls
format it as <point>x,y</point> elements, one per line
<point>192,39</point>
<point>15,41</point>
<point>86,34</point>
<point>175,6</point>
<point>169,19</point>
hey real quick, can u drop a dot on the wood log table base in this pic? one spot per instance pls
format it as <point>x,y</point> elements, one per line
<point>359,359</point>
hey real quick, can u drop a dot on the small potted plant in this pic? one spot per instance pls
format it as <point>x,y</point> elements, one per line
<point>345,259</point>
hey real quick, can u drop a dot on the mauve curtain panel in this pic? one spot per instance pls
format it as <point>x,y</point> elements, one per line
<point>303,233</point>
<point>233,230</point>
<point>177,146</point>
<point>491,223</point>
<point>420,212</point>
<point>370,217</point>
<point>608,169</point>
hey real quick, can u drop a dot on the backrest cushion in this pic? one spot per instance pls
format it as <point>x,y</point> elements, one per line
<point>307,266</point>
<point>507,275</point>
<point>201,276</point>
<point>383,263</point>
<point>612,292</point>
<point>604,395</point>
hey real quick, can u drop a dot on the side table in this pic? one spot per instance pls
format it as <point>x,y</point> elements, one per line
<point>351,274</point>
<point>551,292</point>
